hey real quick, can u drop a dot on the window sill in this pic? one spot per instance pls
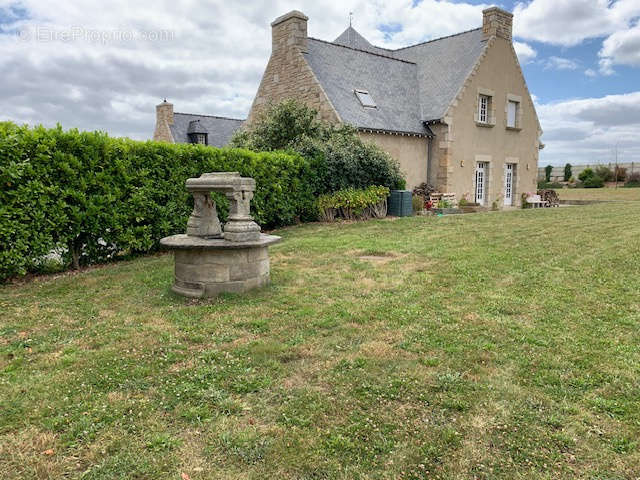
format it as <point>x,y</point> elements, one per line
<point>484,124</point>
<point>514,129</point>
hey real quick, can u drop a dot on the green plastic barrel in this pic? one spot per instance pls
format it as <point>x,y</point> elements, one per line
<point>399,203</point>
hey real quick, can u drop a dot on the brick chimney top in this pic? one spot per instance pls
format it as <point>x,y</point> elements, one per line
<point>497,22</point>
<point>289,30</point>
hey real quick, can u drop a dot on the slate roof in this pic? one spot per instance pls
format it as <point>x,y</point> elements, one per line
<point>219,129</point>
<point>410,85</point>
<point>392,84</point>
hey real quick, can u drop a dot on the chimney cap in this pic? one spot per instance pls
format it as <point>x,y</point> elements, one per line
<point>287,16</point>
<point>497,9</point>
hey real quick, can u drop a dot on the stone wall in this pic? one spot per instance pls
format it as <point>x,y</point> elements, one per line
<point>497,22</point>
<point>288,74</point>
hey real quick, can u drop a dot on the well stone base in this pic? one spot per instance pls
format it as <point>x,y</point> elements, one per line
<point>207,267</point>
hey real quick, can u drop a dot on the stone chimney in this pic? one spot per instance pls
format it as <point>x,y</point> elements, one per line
<point>289,30</point>
<point>164,118</point>
<point>498,22</point>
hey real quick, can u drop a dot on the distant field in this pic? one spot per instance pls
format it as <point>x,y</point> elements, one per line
<point>619,194</point>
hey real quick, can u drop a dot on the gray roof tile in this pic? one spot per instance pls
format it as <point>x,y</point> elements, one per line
<point>219,129</point>
<point>392,83</point>
<point>410,85</point>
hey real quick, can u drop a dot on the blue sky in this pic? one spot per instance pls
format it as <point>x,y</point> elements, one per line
<point>91,67</point>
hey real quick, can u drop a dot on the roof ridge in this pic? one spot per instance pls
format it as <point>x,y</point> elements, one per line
<point>436,39</point>
<point>210,116</point>
<point>363,51</point>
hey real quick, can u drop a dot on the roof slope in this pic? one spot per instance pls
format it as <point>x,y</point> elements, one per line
<point>219,129</point>
<point>443,66</point>
<point>351,38</point>
<point>392,83</point>
<point>410,85</point>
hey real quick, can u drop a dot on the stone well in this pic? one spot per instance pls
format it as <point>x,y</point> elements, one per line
<point>210,259</point>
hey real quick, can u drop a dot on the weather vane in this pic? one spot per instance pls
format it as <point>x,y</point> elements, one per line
<point>350,17</point>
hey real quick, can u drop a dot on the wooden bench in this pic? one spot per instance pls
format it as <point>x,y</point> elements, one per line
<point>536,202</point>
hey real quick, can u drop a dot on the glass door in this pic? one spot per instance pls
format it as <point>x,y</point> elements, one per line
<point>481,178</point>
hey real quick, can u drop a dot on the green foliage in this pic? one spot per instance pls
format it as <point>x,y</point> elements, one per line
<point>338,155</point>
<point>542,185</point>
<point>567,172</point>
<point>619,174</point>
<point>604,173</point>
<point>94,198</point>
<point>352,203</point>
<point>547,172</point>
<point>585,174</point>
<point>633,180</point>
<point>593,182</point>
<point>418,203</point>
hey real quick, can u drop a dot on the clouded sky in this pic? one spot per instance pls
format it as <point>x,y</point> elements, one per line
<point>106,64</point>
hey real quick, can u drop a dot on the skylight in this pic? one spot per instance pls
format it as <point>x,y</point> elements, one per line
<point>365,98</point>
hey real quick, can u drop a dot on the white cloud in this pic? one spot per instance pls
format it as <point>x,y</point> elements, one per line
<point>559,63</point>
<point>584,130</point>
<point>89,66</point>
<point>589,72</point>
<point>569,22</point>
<point>525,52</point>
<point>621,48</point>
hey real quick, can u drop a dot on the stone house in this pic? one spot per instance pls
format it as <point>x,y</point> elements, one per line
<point>174,127</point>
<point>454,112</point>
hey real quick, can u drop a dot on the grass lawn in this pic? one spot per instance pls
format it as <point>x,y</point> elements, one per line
<point>611,194</point>
<point>494,345</point>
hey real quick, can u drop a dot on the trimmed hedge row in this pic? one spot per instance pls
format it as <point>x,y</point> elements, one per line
<point>93,197</point>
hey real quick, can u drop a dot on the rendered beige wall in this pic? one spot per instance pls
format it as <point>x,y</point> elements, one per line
<point>410,152</point>
<point>468,142</point>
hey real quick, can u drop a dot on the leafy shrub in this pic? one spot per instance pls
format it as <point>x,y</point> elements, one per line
<point>619,174</point>
<point>567,172</point>
<point>547,185</point>
<point>604,173</point>
<point>585,174</point>
<point>547,173</point>
<point>354,203</point>
<point>339,156</point>
<point>93,198</point>
<point>417,202</point>
<point>424,190</point>
<point>593,182</point>
<point>633,180</point>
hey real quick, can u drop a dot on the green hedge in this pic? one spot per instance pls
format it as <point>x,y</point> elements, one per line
<point>102,197</point>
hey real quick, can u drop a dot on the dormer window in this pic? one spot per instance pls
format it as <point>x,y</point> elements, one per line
<point>366,100</point>
<point>197,133</point>
<point>200,138</point>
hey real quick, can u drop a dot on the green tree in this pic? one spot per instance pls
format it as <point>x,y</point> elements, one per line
<point>547,173</point>
<point>567,172</point>
<point>339,156</point>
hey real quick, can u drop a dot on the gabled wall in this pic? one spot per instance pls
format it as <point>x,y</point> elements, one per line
<point>465,142</point>
<point>409,151</point>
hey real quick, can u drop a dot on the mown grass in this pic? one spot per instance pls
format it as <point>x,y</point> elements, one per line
<point>607,194</point>
<point>494,345</point>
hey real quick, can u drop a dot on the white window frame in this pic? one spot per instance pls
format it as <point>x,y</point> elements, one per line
<point>509,183</point>
<point>484,108</point>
